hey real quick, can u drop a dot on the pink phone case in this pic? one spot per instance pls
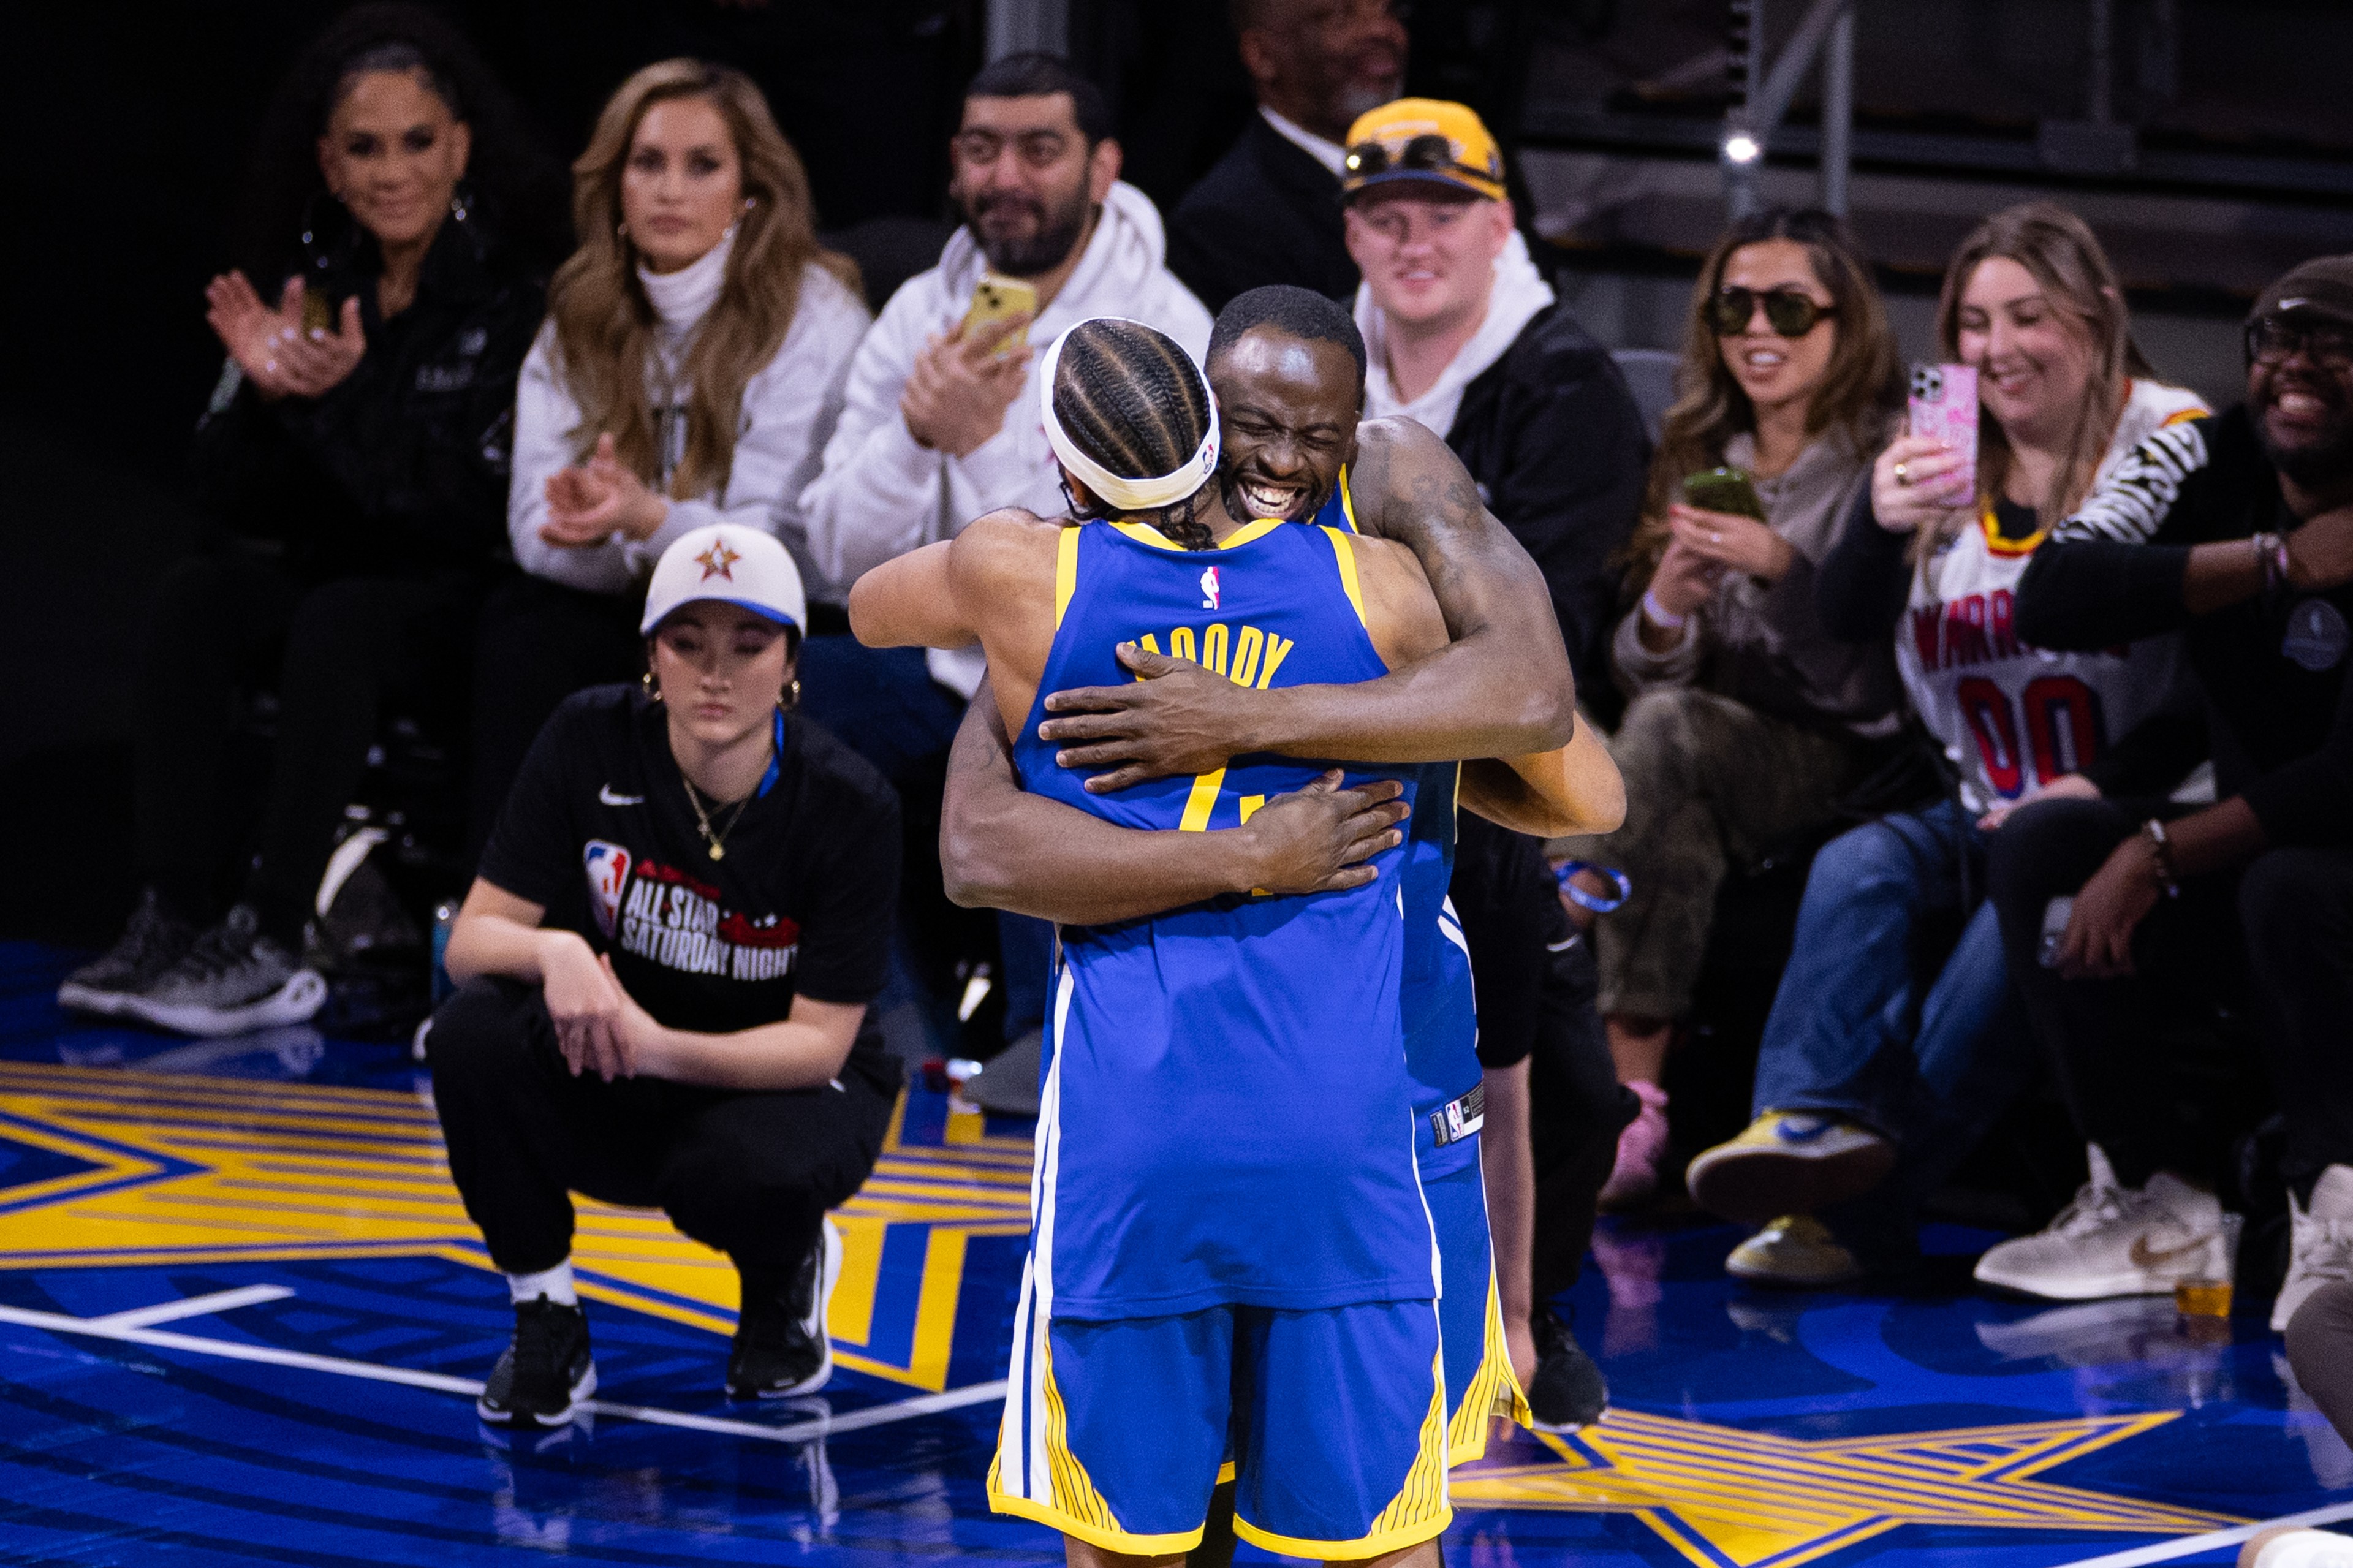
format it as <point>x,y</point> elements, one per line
<point>1944,405</point>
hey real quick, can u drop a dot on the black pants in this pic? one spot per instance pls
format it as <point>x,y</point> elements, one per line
<point>335,650</point>
<point>749,1174</point>
<point>538,642</point>
<point>1576,1108</point>
<point>2320,1348</point>
<point>2277,937</point>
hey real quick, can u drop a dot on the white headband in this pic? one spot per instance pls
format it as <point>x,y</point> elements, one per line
<point>1127,495</point>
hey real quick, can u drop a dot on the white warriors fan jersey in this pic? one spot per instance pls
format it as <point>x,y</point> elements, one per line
<point>2014,718</point>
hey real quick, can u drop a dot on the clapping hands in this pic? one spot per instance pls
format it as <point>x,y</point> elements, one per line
<point>277,352</point>
<point>589,502</point>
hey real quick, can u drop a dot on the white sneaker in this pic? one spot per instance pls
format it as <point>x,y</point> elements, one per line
<point>2320,1242</point>
<point>2116,1240</point>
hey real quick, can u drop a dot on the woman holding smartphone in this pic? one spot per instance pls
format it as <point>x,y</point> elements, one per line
<point>1862,1071</point>
<point>353,461</point>
<point>691,371</point>
<point>664,972</point>
<point>1746,720</point>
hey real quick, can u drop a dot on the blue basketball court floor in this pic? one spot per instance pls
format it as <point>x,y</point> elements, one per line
<point>242,1315</point>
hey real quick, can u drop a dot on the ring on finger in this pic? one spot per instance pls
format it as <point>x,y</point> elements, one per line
<point>1902,473</point>
<point>1715,538</point>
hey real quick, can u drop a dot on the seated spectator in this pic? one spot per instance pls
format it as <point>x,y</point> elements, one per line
<point>941,427</point>
<point>1464,336</point>
<point>1747,720</point>
<point>2235,532</point>
<point>663,976</point>
<point>352,459</point>
<point>689,371</point>
<point>1862,1069</point>
<point>1269,211</point>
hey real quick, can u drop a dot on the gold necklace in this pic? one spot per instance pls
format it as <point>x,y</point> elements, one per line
<point>717,840</point>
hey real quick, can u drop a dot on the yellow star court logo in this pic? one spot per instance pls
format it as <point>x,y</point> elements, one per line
<point>1728,1498</point>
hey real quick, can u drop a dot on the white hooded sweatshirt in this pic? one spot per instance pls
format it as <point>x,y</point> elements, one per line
<point>881,494</point>
<point>789,409</point>
<point>1520,291</point>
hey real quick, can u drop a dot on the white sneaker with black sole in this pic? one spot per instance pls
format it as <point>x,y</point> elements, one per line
<point>2320,1242</point>
<point>150,945</point>
<point>232,980</point>
<point>2116,1240</point>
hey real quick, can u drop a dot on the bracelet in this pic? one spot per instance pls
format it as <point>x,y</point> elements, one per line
<point>2161,849</point>
<point>1661,616</point>
<point>2271,554</point>
<point>1584,900</point>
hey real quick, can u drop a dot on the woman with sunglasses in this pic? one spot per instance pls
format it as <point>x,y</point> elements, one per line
<point>1746,720</point>
<point>1872,1086</point>
<point>354,459</point>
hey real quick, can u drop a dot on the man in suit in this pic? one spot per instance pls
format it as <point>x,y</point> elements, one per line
<point>1269,212</point>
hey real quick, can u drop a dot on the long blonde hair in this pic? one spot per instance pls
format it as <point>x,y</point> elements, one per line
<point>1856,396</point>
<point>603,322</point>
<point>2059,250</point>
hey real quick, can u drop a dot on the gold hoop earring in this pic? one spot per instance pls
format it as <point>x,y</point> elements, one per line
<point>790,697</point>
<point>652,691</point>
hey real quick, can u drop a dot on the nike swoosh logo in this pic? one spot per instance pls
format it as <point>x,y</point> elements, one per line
<point>2144,1256</point>
<point>605,793</point>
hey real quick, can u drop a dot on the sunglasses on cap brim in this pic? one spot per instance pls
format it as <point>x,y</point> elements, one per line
<point>1425,155</point>
<point>1791,314</point>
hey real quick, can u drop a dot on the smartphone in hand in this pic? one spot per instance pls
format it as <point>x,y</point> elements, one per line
<point>1944,408</point>
<point>996,298</point>
<point>1723,489</point>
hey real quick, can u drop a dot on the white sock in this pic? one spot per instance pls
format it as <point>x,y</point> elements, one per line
<point>556,1284</point>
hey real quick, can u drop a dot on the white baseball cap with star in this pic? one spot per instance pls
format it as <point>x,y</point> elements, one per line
<point>733,565</point>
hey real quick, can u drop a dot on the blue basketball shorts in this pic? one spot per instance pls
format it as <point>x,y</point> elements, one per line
<point>1480,1383</point>
<point>1115,1431</point>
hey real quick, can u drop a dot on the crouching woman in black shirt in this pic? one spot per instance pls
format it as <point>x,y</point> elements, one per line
<point>665,966</point>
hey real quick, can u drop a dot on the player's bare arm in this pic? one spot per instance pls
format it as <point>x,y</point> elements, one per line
<point>993,584</point>
<point>1574,791</point>
<point>1502,688</point>
<point>1002,848</point>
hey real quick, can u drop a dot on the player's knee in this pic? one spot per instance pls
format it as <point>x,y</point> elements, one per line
<point>481,1026</point>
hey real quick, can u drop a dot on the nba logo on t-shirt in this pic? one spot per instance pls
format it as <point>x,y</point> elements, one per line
<point>608,872</point>
<point>1210,587</point>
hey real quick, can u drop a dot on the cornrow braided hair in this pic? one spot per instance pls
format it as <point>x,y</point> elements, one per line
<point>1135,403</point>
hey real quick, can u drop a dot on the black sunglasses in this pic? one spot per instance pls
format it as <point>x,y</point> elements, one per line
<point>1791,314</point>
<point>2271,338</point>
<point>1429,154</point>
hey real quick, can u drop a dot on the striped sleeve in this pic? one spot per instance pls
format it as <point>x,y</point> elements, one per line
<point>2131,503</point>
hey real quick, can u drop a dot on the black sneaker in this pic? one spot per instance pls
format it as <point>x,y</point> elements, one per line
<point>155,940</point>
<point>1567,1391</point>
<point>781,1346</point>
<point>544,1372</point>
<point>233,979</point>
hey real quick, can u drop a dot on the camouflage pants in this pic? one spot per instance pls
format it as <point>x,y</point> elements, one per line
<point>1710,783</point>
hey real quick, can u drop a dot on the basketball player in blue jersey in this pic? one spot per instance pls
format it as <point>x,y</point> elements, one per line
<point>1229,1229</point>
<point>1003,847</point>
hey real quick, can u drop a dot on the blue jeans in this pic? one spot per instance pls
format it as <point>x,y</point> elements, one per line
<point>883,704</point>
<point>1854,1031</point>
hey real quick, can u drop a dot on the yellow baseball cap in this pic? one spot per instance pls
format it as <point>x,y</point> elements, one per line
<point>1423,139</point>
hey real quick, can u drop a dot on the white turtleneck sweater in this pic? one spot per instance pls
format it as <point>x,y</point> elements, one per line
<point>790,406</point>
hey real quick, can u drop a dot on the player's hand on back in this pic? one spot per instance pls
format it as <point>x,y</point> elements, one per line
<point>956,397</point>
<point>1320,838</point>
<point>1176,718</point>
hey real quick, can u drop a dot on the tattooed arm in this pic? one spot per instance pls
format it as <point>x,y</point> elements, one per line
<point>1501,687</point>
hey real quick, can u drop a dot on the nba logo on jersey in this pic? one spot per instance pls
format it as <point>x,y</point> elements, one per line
<point>1210,588</point>
<point>609,872</point>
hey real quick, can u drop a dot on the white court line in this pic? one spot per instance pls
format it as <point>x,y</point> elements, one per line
<point>194,1306</point>
<point>441,1382</point>
<point>2166,1550</point>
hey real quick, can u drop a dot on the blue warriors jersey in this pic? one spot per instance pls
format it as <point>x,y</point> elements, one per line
<point>1227,1115</point>
<point>1442,1031</point>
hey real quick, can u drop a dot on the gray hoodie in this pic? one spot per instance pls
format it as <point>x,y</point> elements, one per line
<point>1761,644</point>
